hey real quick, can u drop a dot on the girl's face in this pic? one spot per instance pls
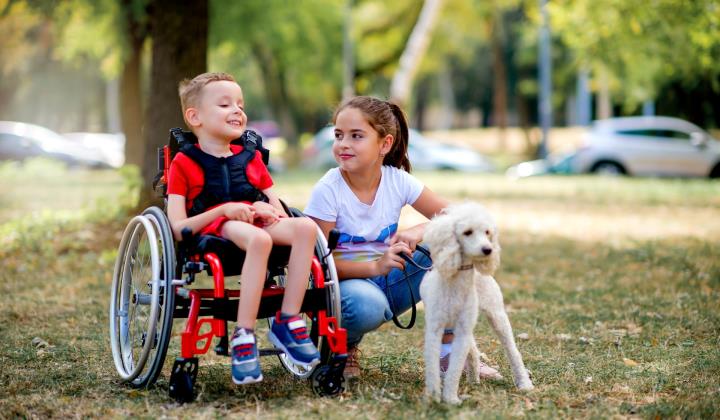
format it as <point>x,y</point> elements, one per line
<point>358,146</point>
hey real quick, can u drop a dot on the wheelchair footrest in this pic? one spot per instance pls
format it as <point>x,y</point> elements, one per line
<point>270,352</point>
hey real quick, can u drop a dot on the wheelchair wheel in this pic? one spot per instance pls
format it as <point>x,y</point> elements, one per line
<point>332,297</point>
<point>142,298</point>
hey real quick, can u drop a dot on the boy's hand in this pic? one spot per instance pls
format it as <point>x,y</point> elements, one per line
<point>266,212</point>
<point>239,211</point>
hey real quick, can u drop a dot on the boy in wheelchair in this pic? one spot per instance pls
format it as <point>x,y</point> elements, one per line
<point>217,188</point>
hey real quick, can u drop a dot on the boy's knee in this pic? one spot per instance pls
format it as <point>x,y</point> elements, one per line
<point>306,227</point>
<point>260,240</point>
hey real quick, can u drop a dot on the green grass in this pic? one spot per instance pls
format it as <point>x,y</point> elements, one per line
<point>615,282</point>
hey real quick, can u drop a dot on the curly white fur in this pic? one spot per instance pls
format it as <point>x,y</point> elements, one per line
<point>465,249</point>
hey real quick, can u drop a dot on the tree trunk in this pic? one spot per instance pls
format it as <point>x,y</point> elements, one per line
<point>179,32</point>
<point>131,103</point>
<point>131,111</point>
<point>414,51</point>
<point>604,107</point>
<point>499,115</point>
<point>275,85</point>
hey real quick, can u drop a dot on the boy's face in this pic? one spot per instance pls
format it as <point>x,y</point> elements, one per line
<point>220,113</point>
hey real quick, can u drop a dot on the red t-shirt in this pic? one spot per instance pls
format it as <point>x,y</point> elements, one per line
<point>187,178</point>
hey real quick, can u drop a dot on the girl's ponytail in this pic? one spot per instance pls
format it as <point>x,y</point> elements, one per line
<point>398,155</point>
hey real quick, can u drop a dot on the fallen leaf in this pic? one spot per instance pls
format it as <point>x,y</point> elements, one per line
<point>523,336</point>
<point>629,362</point>
<point>39,343</point>
<point>633,329</point>
<point>585,340</point>
<point>621,332</point>
<point>588,379</point>
<point>621,389</point>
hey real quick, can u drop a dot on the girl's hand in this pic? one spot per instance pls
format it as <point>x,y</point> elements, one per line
<point>392,259</point>
<point>411,237</point>
<point>266,212</point>
<point>239,211</point>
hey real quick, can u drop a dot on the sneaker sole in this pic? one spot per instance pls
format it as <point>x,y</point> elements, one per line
<point>248,380</point>
<point>276,342</point>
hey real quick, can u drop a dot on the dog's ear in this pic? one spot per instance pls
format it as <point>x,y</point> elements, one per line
<point>444,246</point>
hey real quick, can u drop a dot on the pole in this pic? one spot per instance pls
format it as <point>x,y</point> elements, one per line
<point>348,53</point>
<point>545,71</point>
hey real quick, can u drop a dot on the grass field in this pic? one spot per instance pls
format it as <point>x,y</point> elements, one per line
<point>613,283</point>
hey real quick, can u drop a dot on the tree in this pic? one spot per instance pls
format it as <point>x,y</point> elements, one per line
<point>179,32</point>
<point>641,47</point>
<point>135,23</point>
<point>414,52</point>
<point>285,54</point>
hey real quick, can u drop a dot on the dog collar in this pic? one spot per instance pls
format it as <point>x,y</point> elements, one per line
<point>465,267</point>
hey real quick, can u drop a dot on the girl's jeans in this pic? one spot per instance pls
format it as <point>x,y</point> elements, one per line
<point>369,303</point>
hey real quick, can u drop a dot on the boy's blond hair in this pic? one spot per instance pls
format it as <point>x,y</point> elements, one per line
<point>190,90</point>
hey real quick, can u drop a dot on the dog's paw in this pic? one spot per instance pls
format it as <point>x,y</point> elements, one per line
<point>452,400</point>
<point>525,385</point>
<point>433,395</point>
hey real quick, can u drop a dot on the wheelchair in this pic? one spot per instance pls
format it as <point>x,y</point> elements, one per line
<point>152,286</point>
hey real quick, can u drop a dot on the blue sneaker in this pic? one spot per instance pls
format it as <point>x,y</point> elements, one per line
<point>290,335</point>
<point>245,358</point>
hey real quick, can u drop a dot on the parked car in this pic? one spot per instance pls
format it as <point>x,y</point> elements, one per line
<point>19,141</point>
<point>648,146</point>
<point>424,154</point>
<point>553,164</point>
<point>109,147</point>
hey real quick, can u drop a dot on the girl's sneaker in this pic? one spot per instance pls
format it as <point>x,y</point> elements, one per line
<point>290,335</point>
<point>245,357</point>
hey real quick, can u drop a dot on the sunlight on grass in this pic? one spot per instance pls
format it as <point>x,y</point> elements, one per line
<point>612,287</point>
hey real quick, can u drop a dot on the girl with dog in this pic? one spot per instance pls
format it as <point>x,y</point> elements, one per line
<point>362,198</point>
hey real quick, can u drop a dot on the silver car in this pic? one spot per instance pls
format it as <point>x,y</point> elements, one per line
<point>648,146</point>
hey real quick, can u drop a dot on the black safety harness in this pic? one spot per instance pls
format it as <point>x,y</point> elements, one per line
<point>225,177</point>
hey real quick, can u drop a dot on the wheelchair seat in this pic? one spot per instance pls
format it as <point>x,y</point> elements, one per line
<point>231,256</point>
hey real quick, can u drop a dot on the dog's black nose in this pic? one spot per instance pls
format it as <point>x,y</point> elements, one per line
<point>487,251</point>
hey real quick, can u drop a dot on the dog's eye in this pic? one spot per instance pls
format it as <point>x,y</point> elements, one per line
<point>468,232</point>
<point>487,232</point>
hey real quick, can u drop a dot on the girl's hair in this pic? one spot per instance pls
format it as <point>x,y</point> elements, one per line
<point>385,118</point>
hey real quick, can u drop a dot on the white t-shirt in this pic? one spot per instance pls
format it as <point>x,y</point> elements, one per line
<point>364,229</point>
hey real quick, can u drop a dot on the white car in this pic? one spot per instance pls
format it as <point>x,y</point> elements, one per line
<point>19,141</point>
<point>424,154</point>
<point>109,147</point>
<point>648,146</point>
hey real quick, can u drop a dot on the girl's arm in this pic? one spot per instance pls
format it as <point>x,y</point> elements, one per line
<point>428,204</point>
<point>357,270</point>
<point>179,219</point>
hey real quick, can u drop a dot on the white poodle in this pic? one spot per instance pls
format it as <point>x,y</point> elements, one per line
<point>465,250</point>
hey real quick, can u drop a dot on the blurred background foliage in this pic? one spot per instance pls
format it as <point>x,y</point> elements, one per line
<point>86,65</point>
